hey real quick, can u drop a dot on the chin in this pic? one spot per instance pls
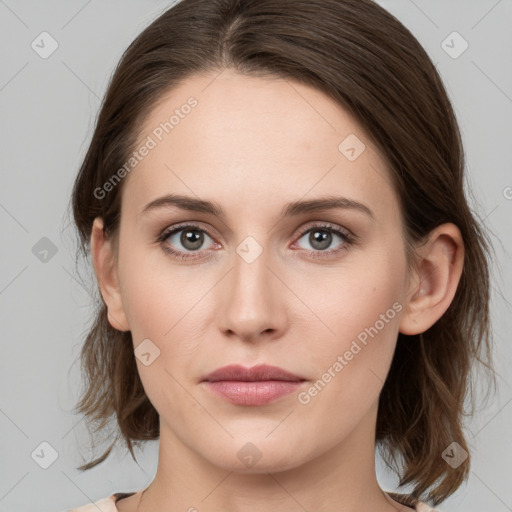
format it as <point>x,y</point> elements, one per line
<point>257,457</point>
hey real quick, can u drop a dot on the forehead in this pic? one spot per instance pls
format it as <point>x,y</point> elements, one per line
<point>263,138</point>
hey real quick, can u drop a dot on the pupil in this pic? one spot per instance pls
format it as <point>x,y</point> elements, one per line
<point>322,241</point>
<point>191,239</point>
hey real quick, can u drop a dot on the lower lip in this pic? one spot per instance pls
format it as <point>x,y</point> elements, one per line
<point>253,393</point>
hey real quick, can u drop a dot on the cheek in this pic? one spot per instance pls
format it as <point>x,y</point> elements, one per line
<point>361,307</point>
<point>156,296</point>
<point>353,297</point>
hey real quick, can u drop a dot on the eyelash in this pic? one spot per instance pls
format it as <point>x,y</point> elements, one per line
<point>347,237</point>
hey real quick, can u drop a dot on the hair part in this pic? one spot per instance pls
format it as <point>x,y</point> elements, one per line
<point>364,59</point>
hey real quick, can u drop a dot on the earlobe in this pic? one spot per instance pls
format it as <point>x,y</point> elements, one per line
<point>106,273</point>
<point>435,279</point>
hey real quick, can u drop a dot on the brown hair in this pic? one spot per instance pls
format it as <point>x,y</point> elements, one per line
<point>366,60</point>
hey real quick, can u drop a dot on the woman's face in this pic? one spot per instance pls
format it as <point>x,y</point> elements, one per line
<point>262,282</point>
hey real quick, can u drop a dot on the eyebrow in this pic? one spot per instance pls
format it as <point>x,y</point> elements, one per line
<point>291,209</point>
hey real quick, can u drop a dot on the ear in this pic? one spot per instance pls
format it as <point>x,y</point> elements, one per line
<point>435,279</point>
<point>104,263</point>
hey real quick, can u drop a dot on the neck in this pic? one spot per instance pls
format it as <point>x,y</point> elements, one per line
<point>341,478</point>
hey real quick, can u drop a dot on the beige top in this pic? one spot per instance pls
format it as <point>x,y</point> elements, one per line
<point>109,504</point>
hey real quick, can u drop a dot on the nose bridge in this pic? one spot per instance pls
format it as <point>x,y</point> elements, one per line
<point>250,306</point>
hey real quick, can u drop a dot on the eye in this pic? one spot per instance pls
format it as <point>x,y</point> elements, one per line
<point>187,241</point>
<point>180,240</point>
<point>321,237</point>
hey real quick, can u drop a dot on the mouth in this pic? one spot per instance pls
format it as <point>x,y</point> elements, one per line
<point>254,386</point>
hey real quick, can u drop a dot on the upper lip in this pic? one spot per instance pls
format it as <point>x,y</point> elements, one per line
<point>260,372</point>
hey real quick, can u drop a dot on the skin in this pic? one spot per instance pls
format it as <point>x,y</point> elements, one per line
<point>252,145</point>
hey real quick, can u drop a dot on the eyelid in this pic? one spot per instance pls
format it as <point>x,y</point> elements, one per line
<point>166,232</point>
<point>328,225</point>
<point>311,225</point>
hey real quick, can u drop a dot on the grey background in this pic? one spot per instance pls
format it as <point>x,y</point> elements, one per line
<point>48,110</point>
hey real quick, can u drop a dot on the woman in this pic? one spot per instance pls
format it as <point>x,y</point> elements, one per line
<point>289,270</point>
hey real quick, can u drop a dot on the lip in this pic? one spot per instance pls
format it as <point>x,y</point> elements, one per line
<point>261,372</point>
<point>258,385</point>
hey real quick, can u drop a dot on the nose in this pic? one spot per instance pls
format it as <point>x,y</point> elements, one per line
<point>252,300</point>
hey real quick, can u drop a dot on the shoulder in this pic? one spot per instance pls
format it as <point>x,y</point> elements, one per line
<point>103,505</point>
